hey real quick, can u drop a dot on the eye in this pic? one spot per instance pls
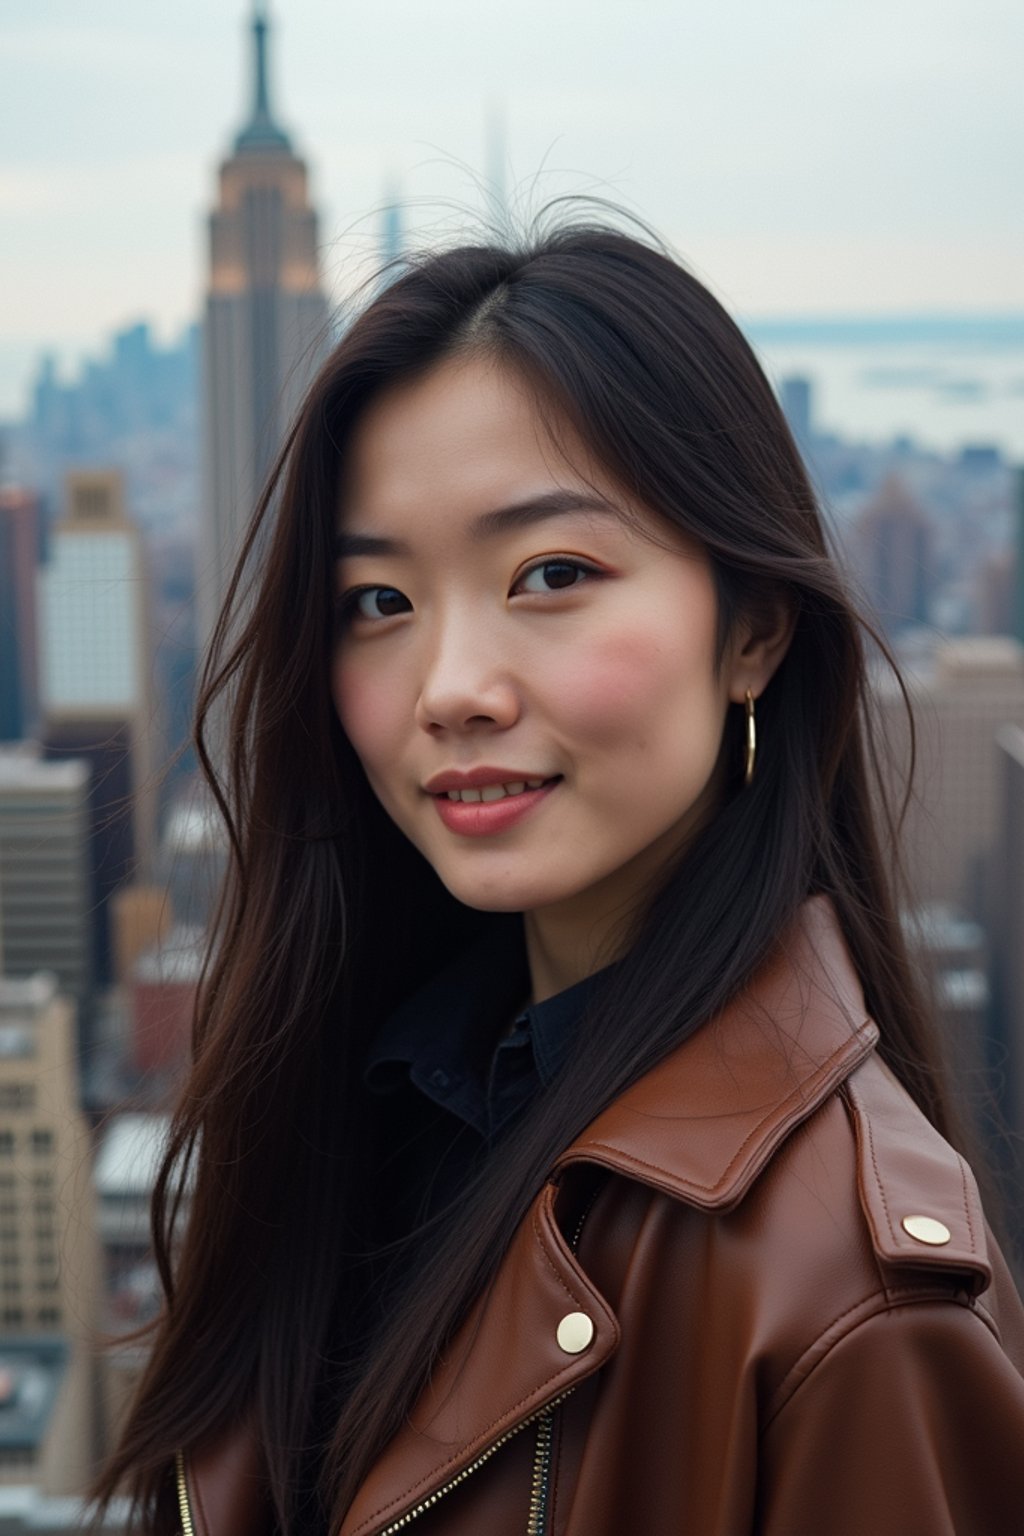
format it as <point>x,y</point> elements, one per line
<point>555,575</point>
<point>371,603</point>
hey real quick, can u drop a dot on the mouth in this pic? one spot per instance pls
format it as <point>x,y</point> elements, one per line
<point>491,809</point>
<point>490,794</point>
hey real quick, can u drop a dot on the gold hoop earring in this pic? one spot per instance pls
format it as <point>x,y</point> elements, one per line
<point>748,772</point>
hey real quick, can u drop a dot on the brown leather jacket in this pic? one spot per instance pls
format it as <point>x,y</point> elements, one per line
<point>725,1314</point>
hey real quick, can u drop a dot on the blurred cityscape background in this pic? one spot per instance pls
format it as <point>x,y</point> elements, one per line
<point>125,480</point>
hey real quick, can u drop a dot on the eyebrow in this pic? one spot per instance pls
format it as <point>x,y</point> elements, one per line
<point>521,514</point>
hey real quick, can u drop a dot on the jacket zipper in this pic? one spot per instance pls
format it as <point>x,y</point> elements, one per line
<point>439,1493</point>
<point>184,1507</point>
<point>539,1483</point>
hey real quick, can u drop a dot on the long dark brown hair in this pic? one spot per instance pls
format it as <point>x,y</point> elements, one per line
<point>329,916</point>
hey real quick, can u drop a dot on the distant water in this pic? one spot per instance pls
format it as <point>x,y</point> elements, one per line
<point>944,383</point>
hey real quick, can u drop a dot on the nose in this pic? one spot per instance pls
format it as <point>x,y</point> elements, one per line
<point>467,682</point>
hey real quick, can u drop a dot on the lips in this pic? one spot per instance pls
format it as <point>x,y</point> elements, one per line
<point>478,818</point>
<point>483,777</point>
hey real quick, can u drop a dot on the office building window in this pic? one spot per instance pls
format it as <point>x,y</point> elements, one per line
<point>17,1096</point>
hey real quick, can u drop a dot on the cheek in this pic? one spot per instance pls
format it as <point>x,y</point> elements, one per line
<point>625,687</point>
<point>364,712</point>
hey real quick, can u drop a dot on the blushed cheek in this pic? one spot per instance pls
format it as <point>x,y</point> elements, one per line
<point>620,683</point>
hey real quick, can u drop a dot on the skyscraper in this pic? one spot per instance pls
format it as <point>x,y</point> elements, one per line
<point>45,905</point>
<point>96,696</point>
<point>893,549</point>
<point>49,1255</point>
<point>265,326</point>
<point>952,829</point>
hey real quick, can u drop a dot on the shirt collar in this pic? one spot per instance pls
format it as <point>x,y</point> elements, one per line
<point>451,1023</point>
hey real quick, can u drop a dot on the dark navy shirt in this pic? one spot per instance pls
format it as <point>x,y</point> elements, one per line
<point>455,1066</point>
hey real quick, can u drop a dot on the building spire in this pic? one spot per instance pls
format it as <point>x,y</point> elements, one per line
<point>261,132</point>
<point>259,27</point>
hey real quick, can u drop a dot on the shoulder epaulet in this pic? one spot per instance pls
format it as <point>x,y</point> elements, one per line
<point>918,1194</point>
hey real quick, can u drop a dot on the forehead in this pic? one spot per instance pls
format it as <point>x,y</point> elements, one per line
<point>464,435</point>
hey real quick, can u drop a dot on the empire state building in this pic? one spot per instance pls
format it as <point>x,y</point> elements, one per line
<point>265,331</point>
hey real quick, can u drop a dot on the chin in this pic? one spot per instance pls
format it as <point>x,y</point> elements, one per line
<point>508,895</point>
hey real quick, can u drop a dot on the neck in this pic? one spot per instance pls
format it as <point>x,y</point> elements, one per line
<point>566,943</point>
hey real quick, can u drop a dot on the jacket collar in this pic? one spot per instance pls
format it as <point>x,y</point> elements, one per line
<point>702,1124</point>
<point>699,1126</point>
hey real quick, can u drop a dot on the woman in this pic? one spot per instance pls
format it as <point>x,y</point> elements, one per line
<point>571,1150</point>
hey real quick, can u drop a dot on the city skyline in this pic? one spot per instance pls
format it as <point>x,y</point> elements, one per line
<point>856,163</point>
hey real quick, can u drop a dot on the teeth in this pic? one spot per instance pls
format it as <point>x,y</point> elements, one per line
<point>492,792</point>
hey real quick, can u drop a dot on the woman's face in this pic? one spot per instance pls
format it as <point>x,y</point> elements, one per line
<point>506,624</point>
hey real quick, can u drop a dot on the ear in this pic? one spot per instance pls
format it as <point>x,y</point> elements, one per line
<point>760,642</point>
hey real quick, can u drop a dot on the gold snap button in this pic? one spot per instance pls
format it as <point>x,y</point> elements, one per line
<point>925,1229</point>
<point>575,1332</point>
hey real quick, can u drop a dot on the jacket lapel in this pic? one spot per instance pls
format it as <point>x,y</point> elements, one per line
<point>504,1365</point>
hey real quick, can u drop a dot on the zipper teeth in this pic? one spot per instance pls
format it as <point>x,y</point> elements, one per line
<point>439,1493</point>
<point>541,1475</point>
<point>184,1508</point>
<point>543,1418</point>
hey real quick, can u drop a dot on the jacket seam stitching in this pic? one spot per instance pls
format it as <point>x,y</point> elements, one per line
<point>967,1204</point>
<point>877,1296</point>
<point>874,1164</point>
<point>542,1240</point>
<point>890,1301</point>
<point>851,1104</point>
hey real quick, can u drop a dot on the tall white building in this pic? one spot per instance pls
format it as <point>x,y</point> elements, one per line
<point>96,697</point>
<point>265,331</point>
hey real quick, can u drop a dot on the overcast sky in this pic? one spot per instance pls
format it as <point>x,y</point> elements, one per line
<point>804,156</point>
